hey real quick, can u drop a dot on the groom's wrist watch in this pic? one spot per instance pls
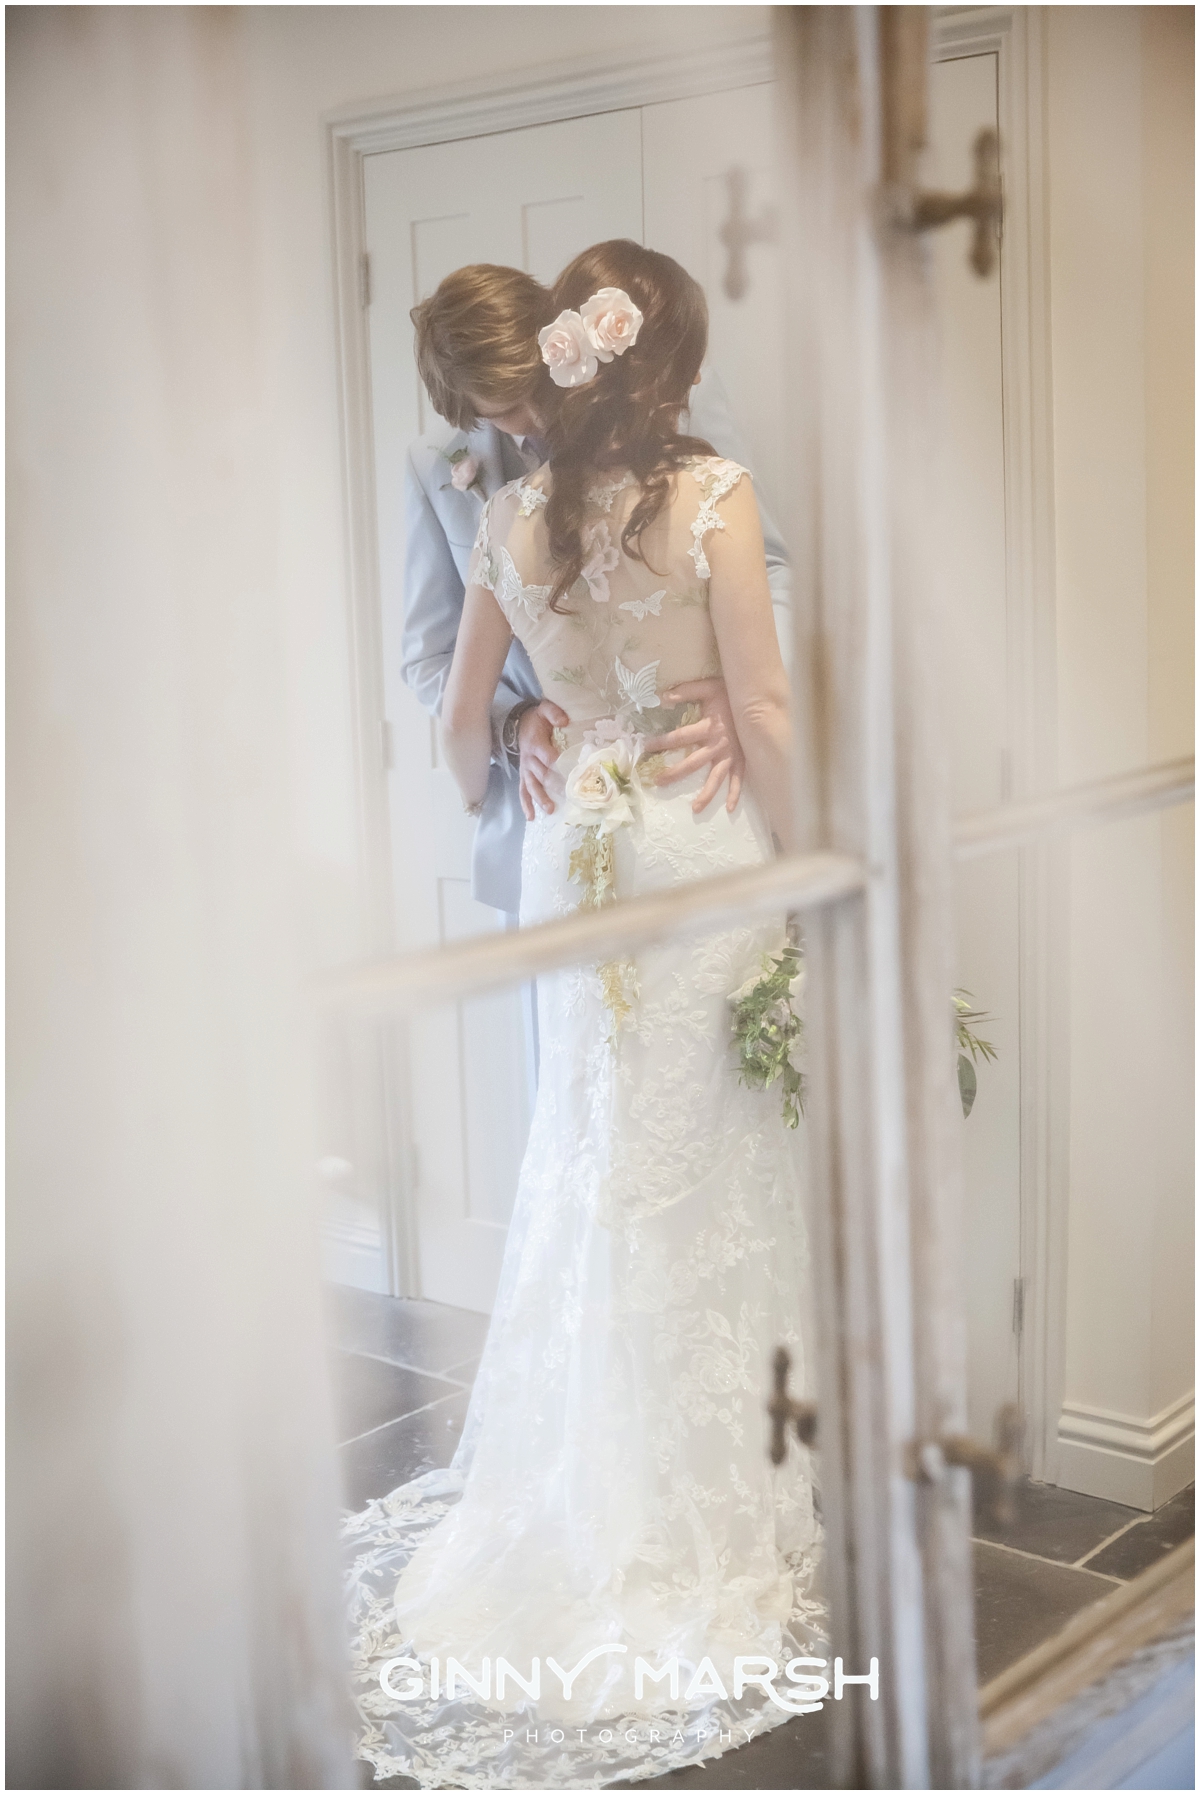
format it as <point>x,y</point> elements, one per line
<point>510,734</point>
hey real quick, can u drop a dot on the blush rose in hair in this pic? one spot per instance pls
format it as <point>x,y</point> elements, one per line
<point>611,321</point>
<point>567,351</point>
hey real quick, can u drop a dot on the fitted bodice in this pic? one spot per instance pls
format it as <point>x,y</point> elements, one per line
<point>627,630</point>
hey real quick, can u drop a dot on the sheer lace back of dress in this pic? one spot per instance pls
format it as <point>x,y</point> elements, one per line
<point>628,630</point>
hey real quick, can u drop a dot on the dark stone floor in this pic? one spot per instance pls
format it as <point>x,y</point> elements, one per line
<point>403,1373</point>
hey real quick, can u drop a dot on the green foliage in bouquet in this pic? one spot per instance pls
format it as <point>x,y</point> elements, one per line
<point>970,1047</point>
<point>768,1031</point>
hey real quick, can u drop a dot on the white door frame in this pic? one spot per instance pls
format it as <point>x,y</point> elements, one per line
<point>1016,36</point>
<point>574,89</point>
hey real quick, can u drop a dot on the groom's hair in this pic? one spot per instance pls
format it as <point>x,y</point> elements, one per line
<point>477,341</point>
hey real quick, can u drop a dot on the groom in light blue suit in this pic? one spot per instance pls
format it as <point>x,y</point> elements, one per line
<point>476,351</point>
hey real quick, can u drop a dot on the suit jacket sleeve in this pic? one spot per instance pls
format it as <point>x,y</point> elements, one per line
<point>433,602</point>
<point>711,418</point>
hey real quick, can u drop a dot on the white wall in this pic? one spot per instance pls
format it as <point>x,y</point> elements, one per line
<point>1120,158</point>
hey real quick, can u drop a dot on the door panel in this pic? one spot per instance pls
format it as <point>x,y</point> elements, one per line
<point>531,199</point>
<point>963,100</point>
<point>709,163</point>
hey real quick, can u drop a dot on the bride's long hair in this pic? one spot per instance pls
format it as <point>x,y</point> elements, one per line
<point>628,416</point>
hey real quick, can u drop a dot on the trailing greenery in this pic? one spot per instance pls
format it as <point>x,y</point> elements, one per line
<point>769,1032</point>
<point>970,1047</point>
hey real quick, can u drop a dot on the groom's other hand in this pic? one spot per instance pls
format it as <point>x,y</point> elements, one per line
<point>712,742</point>
<point>535,740</point>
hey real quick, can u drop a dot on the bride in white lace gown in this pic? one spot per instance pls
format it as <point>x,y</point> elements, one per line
<point>611,1499</point>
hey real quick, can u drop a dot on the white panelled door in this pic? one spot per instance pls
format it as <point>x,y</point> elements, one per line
<point>530,199</point>
<point>709,177</point>
<point>693,178</point>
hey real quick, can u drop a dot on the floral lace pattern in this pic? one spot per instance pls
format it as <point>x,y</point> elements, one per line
<point>604,492</point>
<point>612,1482</point>
<point>715,479</point>
<point>532,498</point>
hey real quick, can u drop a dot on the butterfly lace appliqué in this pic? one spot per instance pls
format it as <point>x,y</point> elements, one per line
<point>640,688</point>
<point>645,607</point>
<point>600,558</point>
<point>511,590</point>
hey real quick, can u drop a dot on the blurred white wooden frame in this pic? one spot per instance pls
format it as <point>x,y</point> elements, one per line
<point>392,986</point>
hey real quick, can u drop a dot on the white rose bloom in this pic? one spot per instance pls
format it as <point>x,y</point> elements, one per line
<point>611,321</point>
<point>567,351</point>
<point>598,787</point>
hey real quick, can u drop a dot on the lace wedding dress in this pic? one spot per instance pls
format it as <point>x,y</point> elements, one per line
<point>611,1495</point>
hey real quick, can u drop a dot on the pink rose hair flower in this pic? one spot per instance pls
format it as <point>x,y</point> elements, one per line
<point>567,351</point>
<point>577,342</point>
<point>611,321</point>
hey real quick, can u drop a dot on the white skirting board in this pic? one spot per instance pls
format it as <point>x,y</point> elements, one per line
<point>1125,1458</point>
<point>353,1254</point>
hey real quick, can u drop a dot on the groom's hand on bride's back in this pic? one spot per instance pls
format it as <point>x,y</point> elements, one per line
<point>710,742</point>
<point>535,740</point>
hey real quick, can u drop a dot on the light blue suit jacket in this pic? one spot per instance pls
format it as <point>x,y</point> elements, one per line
<point>441,528</point>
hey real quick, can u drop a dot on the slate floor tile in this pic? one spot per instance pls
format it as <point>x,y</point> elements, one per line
<point>1020,1601</point>
<point>377,1463</point>
<point>1058,1524</point>
<point>465,1373</point>
<point>428,1336</point>
<point>1150,1540</point>
<point>368,1392</point>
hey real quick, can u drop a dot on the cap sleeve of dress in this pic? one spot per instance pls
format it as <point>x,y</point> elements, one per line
<point>716,479</point>
<point>492,564</point>
<point>482,569</point>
